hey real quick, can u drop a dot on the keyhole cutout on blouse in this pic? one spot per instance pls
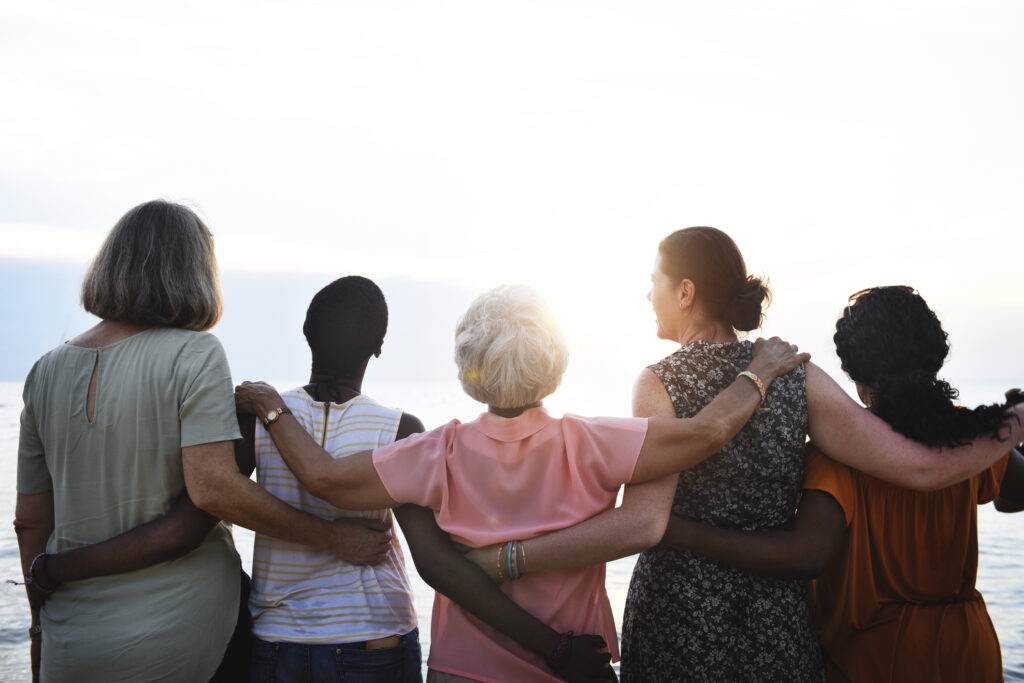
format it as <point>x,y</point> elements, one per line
<point>90,401</point>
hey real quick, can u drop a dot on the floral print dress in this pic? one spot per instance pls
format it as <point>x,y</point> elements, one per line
<point>689,618</point>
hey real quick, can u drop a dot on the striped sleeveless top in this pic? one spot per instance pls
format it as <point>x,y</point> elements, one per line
<point>299,594</point>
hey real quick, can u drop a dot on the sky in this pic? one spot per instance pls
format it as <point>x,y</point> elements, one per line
<point>445,147</point>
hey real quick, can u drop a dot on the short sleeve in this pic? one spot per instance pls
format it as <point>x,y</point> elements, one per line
<point>33,473</point>
<point>415,469</point>
<point>990,481</point>
<point>605,447</point>
<point>207,404</point>
<point>822,473</point>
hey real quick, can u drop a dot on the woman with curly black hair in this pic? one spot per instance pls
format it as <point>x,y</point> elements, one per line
<point>894,569</point>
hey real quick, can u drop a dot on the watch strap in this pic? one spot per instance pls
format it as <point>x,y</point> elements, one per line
<point>274,414</point>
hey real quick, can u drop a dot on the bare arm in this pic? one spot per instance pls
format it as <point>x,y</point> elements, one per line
<point>444,568</point>
<point>216,486</point>
<point>33,524</point>
<point>350,482</point>
<point>447,571</point>
<point>799,553</point>
<point>1011,492</point>
<point>675,444</point>
<point>640,521</point>
<point>855,437</point>
<point>177,533</point>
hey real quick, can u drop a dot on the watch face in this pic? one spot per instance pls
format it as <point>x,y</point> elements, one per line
<point>273,414</point>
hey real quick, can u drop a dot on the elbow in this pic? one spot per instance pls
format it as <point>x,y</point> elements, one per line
<point>210,494</point>
<point>431,573</point>
<point>651,533</point>
<point>206,499</point>
<point>23,528</point>
<point>928,479</point>
<point>319,487</point>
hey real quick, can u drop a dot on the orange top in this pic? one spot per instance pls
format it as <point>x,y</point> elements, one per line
<point>897,601</point>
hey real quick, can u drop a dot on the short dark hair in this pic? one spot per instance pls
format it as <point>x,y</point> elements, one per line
<point>345,324</point>
<point>156,266</point>
<point>711,260</point>
<point>891,341</point>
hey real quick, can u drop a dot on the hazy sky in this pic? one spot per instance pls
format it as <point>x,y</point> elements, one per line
<point>470,143</point>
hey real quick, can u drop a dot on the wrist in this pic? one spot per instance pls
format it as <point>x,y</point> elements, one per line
<point>266,402</point>
<point>756,381</point>
<point>325,532</point>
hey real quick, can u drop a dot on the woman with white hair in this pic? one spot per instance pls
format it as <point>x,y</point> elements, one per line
<point>516,472</point>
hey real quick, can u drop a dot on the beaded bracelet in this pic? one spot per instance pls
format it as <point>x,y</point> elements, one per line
<point>500,575</point>
<point>560,657</point>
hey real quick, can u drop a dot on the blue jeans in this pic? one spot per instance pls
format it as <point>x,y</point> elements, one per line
<point>341,662</point>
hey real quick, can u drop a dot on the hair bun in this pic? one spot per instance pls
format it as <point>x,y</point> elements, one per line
<point>750,298</point>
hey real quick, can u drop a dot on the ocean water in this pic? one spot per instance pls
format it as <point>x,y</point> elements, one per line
<point>1000,571</point>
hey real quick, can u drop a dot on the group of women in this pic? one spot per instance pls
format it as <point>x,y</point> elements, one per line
<point>121,423</point>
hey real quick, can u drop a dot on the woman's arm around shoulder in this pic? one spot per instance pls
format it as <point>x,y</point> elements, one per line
<point>619,532</point>
<point>856,437</point>
<point>448,571</point>
<point>675,444</point>
<point>350,483</point>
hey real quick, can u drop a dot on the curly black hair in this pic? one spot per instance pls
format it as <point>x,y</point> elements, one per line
<point>890,340</point>
<point>345,324</point>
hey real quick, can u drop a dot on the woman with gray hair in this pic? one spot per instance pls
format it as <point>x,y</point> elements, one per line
<point>516,472</point>
<point>127,580</point>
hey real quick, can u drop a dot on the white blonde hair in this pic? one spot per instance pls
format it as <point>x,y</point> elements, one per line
<point>509,348</point>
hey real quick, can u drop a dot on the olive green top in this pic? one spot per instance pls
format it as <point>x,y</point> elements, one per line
<point>157,392</point>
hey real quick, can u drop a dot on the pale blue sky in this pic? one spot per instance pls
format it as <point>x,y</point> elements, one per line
<point>469,143</point>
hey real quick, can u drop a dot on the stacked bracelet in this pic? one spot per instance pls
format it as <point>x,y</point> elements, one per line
<point>560,657</point>
<point>508,560</point>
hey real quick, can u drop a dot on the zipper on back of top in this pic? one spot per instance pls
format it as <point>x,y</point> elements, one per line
<point>323,439</point>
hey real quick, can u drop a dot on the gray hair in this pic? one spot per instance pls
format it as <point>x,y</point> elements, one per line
<point>156,266</point>
<point>509,348</point>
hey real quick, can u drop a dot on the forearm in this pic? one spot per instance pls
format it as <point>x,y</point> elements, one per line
<point>350,483</point>
<point>33,524</point>
<point>311,464</point>
<point>633,527</point>
<point>173,535</point>
<point>775,554</point>
<point>216,486</point>
<point>801,552</point>
<point>674,444</point>
<point>855,437</point>
<point>448,572</point>
<point>244,502</point>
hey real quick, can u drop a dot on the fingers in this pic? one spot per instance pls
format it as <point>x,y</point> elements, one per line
<point>376,525</point>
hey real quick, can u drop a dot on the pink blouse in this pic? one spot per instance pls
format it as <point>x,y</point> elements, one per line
<point>498,478</point>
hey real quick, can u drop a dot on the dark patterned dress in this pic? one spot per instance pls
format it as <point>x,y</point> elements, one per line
<point>689,618</point>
